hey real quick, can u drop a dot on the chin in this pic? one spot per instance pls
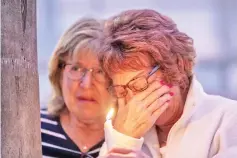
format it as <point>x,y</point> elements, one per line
<point>89,114</point>
<point>88,110</point>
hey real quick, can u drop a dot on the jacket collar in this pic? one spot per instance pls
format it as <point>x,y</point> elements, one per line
<point>194,96</point>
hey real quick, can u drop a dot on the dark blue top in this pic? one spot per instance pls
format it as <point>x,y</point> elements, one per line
<point>56,143</point>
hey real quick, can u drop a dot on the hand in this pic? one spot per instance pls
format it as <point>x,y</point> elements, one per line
<point>142,110</point>
<point>125,153</point>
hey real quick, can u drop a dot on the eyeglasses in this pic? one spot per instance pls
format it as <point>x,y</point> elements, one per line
<point>77,72</point>
<point>136,85</point>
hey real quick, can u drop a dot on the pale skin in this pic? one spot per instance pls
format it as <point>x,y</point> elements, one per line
<point>83,120</point>
<point>161,104</point>
<point>87,104</point>
<point>155,105</point>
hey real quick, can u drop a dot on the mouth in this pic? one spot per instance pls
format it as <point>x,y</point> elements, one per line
<point>86,99</point>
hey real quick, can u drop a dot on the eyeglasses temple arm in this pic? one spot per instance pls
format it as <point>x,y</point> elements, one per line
<point>154,70</point>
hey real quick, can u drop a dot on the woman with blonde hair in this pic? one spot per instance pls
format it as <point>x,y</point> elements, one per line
<point>73,124</point>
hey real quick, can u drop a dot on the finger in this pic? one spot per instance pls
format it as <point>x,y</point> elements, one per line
<point>117,155</point>
<point>121,102</point>
<point>152,87</point>
<point>120,150</point>
<point>130,154</point>
<point>159,102</point>
<point>156,95</point>
<point>147,119</point>
<point>156,114</point>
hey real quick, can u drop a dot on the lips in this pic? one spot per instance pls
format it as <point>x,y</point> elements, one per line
<point>86,98</point>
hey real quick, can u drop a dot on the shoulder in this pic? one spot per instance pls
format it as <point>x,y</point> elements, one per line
<point>208,103</point>
<point>51,130</point>
<point>222,104</point>
<point>217,108</point>
<point>47,119</point>
<point>52,135</point>
<point>48,122</point>
<point>50,126</point>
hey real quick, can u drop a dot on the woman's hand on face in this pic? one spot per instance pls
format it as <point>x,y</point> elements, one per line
<point>125,153</point>
<point>141,112</point>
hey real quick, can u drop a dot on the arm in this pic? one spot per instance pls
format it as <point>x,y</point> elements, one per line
<point>124,153</point>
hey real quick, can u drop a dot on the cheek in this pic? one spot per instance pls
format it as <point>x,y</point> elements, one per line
<point>102,93</point>
<point>68,87</point>
<point>105,99</point>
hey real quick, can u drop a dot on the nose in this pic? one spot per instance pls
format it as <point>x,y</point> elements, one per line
<point>86,81</point>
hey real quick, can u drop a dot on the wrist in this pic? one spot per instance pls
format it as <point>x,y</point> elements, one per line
<point>122,129</point>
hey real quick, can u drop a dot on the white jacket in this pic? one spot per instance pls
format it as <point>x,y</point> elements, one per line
<point>207,129</point>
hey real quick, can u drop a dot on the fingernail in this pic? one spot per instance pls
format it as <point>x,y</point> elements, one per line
<point>162,82</point>
<point>170,85</point>
<point>171,93</point>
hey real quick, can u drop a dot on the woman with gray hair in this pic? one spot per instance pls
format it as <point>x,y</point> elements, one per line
<point>72,125</point>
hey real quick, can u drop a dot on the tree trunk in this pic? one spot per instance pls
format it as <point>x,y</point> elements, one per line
<point>20,109</point>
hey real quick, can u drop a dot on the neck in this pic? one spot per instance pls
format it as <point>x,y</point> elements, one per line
<point>84,133</point>
<point>86,125</point>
